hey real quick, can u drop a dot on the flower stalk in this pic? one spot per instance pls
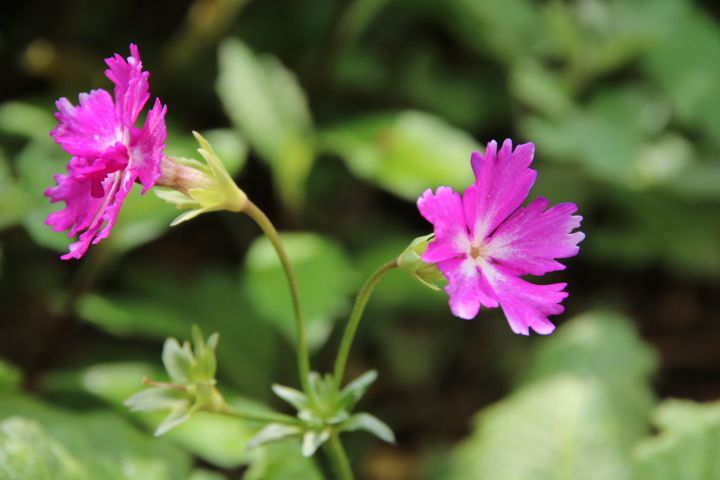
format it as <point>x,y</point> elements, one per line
<point>303,355</point>
<point>354,319</point>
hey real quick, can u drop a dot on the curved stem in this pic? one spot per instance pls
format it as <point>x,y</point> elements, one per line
<point>354,320</point>
<point>339,458</point>
<point>303,357</point>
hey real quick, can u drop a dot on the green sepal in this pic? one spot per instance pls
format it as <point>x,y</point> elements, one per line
<point>410,261</point>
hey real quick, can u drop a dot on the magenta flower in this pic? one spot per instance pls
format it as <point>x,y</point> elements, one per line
<point>109,153</point>
<point>485,241</point>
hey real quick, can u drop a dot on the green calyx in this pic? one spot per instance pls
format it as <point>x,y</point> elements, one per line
<point>197,187</point>
<point>410,261</point>
<point>324,411</point>
<point>192,382</point>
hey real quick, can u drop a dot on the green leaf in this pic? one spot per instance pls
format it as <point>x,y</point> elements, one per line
<point>313,440</point>
<point>353,391</point>
<point>219,440</point>
<point>371,424</point>
<point>404,153</point>
<point>25,119</point>
<point>294,397</point>
<point>27,451</point>
<point>603,346</point>
<point>272,433</point>
<point>282,461</point>
<point>324,276</point>
<point>150,305</point>
<point>14,203</point>
<point>686,37</point>
<point>559,429</point>
<point>266,103</point>
<point>103,445</point>
<point>687,444</point>
<point>10,376</point>
<point>178,360</point>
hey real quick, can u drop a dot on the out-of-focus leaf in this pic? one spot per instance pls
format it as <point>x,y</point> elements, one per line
<point>266,103</point>
<point>218,439</point>
<point>687,445</point>
<point>229,146</point>
<point>27,451</point>
<point>9,376</point>
<point>158,306</point>
<point>508,29</point>
<point>604,346</point>
<point>280,461</point>
<point>206,475</point>
<point>608,138</point>
<point>27,120</point>
<point>14,204</point>
<point>679,59</point>
<point>640,235</point>
<point>404,153</point>
<point>324,275</point>
<point>104,445</point>
<point>36,164</point>
<point>583,405</point>
<point>561,428</point>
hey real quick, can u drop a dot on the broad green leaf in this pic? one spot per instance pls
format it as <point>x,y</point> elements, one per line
<point>27,451</point>
<point>161,305</point>
<point>324,276</point>
<point>678,58</point>
<point>9,376</point>
<point>509,29</point>
<point>266,103</point>
<point>687,443</point>
<point>281,461</point>
<point>218,439</point>
<point>603,346</point>
<point>562,428</point>
<point>14,203</point>
<point>103,445</point>
<point>25,119</point>
<point>404,153</point>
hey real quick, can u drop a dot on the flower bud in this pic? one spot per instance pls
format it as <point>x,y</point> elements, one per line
<point>411,262</point>
<point>199,188</point>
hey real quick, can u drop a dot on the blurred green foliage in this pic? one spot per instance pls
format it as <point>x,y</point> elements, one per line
<point>334,116</point>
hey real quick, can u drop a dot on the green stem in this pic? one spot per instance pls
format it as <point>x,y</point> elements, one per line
<point>354,320</point>
<point>339,458</point>
<point>303,357</point>
<point>227,410</point>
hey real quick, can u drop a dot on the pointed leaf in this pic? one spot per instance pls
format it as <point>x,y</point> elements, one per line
<point>294,397</point>
<point>272,432</point>
<point>178,360</point>
<point>354,390</point>
<point>312,440</point>
<point>372,424</point>
<point>179,414</point>
<point>154,398</point>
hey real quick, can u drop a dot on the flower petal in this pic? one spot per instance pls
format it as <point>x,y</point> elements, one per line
<point>148,146</point>
<point>532,238</point>
<point>131,85</point>
<point>502,182</point>
<point>86,213</point>
<point>467,288</point>
<point>89,129</point>
<point>525,304</point>
<point>444,210</point>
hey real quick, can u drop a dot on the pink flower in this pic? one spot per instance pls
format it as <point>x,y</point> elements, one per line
<point>485,241</point>
<point>109,153</point>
